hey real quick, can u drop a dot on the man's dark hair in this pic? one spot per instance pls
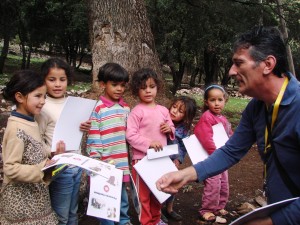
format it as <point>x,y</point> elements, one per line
<point>262,42</point>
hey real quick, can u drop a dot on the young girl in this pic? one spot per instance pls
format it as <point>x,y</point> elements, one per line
<point>182,112</point>
<point>216,189</point>
<point>24,196</point>
<point>148,126</point>
<point>64,190</point>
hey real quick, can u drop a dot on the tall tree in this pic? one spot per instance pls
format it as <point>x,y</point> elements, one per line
<point>8,12</point>
<point>68,22</point>
<point>285,35</point>
<point>120,32</point>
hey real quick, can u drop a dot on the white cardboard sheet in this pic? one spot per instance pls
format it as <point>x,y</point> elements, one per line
<point>151,170</point>
<point>194,148</point>
<point>75,111</point>
<point>220,136</point>
<point>167,150</point>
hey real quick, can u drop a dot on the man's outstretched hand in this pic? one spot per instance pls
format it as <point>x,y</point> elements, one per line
<point>173,181</point>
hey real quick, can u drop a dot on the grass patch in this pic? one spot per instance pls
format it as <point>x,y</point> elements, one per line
<point>233,110</point>
<point>13,63</point>
<point>236,105</point>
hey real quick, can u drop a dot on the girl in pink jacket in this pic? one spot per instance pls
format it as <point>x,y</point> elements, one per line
<point>148,125</point>
<point>216,189</point>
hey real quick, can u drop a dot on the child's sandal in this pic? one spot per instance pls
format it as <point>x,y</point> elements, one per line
<point>222,212</point>
<point>220,220</point>
<point>209,216</point>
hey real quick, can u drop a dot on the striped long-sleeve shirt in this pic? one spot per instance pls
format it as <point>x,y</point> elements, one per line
<point>106,139</point>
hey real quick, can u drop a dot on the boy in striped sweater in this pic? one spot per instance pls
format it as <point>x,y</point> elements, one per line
<point>106,138</point>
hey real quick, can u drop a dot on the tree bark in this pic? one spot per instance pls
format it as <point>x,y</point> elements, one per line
<point>211,66</point>
<point>4,52</point>
<point>285,36</point>
<point>120,32</point>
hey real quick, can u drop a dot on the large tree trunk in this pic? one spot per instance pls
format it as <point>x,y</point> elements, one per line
<point>120,32</point>
<point>211,66</point>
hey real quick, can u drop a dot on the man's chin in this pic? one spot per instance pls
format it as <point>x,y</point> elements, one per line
<point>241,88</point>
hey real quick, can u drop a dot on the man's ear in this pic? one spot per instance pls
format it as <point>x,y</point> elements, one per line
<point>19,97</point>
<point>270,63</point>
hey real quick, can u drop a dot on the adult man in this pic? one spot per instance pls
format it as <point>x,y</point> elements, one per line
<point>270,119</point>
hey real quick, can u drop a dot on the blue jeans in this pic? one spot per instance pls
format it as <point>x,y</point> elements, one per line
<point>124,218</point>
<point>64,193</point>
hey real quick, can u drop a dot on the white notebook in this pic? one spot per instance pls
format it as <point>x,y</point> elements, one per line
<point>75,111</point>
<point>167,151</point>
<point>263,211</point>
<point>194,148</point>
<point>153,169</point>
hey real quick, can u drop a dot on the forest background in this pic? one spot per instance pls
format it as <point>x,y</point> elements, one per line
<point>186,37</point>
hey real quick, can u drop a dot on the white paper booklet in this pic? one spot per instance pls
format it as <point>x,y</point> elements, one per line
<point>167,150</point>
<point>96,166</point>
<point>152,170</point>
<point>220,136</point>
<point>75,111</point>
<point>194,148</point>
<point>262,212</point>
<point>105,196</point>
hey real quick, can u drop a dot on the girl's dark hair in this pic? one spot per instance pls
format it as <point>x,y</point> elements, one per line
<point>112,72</point>
<point>208,89</point>
<point>140,77</point>
<point>59,64</point>
<point>190,110</point>
<point>23,81</point>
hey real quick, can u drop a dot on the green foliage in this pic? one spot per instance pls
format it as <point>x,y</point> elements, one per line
<point>4,78</point>
<point>68,24</point>
<point>184,30</point>
<point>62,25</point>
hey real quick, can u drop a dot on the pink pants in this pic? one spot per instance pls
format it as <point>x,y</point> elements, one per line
<point>215,193</point>
<point>150,206</point>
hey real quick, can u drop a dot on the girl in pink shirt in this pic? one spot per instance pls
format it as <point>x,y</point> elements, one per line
<point>216,189</point>
<point>148,125</point>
